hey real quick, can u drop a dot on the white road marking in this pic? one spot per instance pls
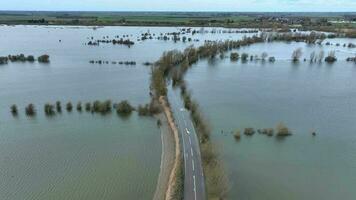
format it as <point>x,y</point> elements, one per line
<point>193,164</point>
<point>195,191</point>
<point>187,131</point>
<point>191,151</point>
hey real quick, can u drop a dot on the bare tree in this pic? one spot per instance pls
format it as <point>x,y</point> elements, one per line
<point>264,56</point>
<point>296,54</point>
<point>321,56</point>
<point>313,57</point>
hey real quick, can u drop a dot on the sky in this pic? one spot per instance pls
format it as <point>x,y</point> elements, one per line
<point>182,5</point>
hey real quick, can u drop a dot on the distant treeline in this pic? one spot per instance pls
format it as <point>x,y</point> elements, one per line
<point>112,62</point>
<point>23,58</point>
<point>121,41</point>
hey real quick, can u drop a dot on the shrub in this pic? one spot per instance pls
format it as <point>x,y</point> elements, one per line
<point>124,108</point>
<point>249,131</point>
<point>282,130</point>
<point>30,110</point>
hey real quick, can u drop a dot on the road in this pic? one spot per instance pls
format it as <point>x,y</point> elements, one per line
<point>194,184</point>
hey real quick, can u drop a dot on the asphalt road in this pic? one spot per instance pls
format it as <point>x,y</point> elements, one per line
<point>194,184</point>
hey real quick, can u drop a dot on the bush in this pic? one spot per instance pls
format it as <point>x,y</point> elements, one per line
<point>282,130</point>
<point>30,110</point>
<point>124,108</point>
<point>249,131</point>
<point>43,59</point>
<point>69,107</point>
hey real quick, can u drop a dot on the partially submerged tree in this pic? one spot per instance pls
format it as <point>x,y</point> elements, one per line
<point>49,109</point>
<point>124,108</point>
<point>234,56</point>
<point>79,106</point>
<point>58,107</point>
<point>282,130</point>
<point>30,110</point>
<point>331,57</point>
<point>249,131</point>
<point>14,110</point>
<point>296,55</point>
<point>43,59</point>
<point>69,107</point>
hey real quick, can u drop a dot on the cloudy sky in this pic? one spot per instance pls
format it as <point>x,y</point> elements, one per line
<point>181,5</point>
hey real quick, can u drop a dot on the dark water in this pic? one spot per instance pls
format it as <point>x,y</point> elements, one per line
<point>306,98</point>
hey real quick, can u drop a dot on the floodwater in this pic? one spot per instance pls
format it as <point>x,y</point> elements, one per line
<point>85,156</point>
<point>305,97</point>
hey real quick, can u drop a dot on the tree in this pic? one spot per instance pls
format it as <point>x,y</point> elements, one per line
<point>264,56</point>
<point>321,56</point>
<point>124,108</point>
<point>30,110</point>
<point>14,110</point>
<point>43,59</point>
<point>331,57</point>
<point>58,107</point>
<point>69,107</point>
<point>79,106</point>
<point>296,55</point>
<point>313,57</point>
<point>234,56</point>
<point>283,130</point>
<point>49,109</point>
<point>244,57</point>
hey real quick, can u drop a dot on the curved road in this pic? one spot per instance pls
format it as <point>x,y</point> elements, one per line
<point>194,184</point>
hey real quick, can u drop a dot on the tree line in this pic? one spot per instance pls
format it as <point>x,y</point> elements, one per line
<point>22,58</point>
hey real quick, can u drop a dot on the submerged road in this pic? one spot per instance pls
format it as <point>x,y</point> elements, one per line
<point>194,184</point>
